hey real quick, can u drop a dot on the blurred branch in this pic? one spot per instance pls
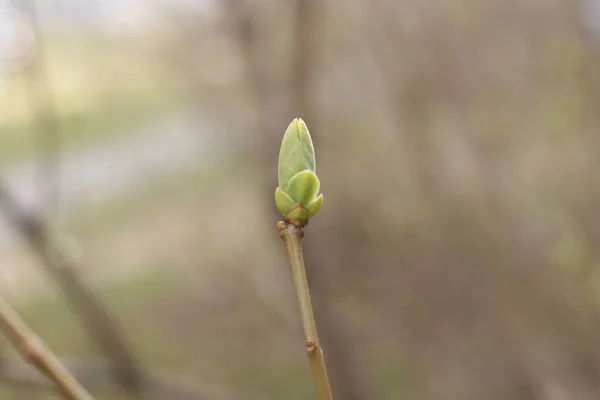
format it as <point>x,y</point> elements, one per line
<point>271,96</point>
<point>246,32</point>
<point>35,352</point>
<point>96,374</point>
<point>92,313</point>
<point>407,98</point>
<point>278,100</point>
<point>47,127</point>
<point>305,55</point>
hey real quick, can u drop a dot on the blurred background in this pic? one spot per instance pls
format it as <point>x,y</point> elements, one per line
<point>456,256</point>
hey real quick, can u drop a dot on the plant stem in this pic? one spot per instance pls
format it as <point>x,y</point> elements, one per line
<point>292,236</point>
<point>63,268</point>
<point>35,352</point>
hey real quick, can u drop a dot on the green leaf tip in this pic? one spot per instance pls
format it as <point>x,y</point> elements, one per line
<point>296,197</point>
<point>297,152</point>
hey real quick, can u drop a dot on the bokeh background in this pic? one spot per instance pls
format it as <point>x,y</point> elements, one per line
<point>457,253</point>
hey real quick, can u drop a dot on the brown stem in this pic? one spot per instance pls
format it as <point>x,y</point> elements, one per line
<point>35,352</point>
<point>292,236</point>
<point>100,325</point>
<point>41,98</point>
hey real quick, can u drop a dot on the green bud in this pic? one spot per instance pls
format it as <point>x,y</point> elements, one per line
<point>297,196</point>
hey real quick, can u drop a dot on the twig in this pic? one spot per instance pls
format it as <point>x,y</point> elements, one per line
<point>41,98</point>
<point>292,236</point>
<point>100,325</point>
<point>95,318</point>
<point>306,55</point>
<point>35,352</point>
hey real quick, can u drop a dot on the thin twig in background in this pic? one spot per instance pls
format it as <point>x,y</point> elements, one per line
<point>47,139</point>
<point>35,352</point>
<point>90,310</point>
<point>122,362</point>
<point>306,55</point>
<point>292,236</point>
<point>270,92</point>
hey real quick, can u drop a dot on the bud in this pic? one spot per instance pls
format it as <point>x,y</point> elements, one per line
<point>296,197</point>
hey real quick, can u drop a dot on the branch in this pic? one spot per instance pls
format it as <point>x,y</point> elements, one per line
<point>90,310</point>
<point>307,36</point>
<point>121,362</point>
<point>42,101</point>
<point>292,236</point>
<point>35,352</point>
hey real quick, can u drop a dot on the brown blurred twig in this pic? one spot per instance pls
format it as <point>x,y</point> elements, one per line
<point>40,95</point>
<point>91,312</point>
<point>249,25</point>
<point>292,237</point>
<point>306,54</point>
<point>35,352</point>
<point>99,324</point>
<point>122,362</point>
